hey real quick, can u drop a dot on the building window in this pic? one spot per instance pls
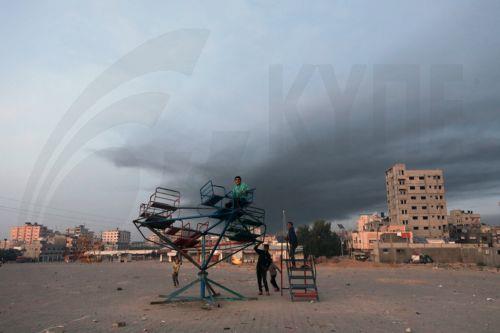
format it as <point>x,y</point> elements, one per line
<point>411,177</point>
<point>415,217</point>
<point>421,177</point>
<point>426,217</point>
<point>424,207</point>
<point>415,228</point>
<point>412,187</point>
<point>413,198</point>
<point>426,228</point>
<point>422,187</point>
<point>414,207</point>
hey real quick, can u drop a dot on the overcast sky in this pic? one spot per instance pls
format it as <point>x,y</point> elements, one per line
<point>310,103</point>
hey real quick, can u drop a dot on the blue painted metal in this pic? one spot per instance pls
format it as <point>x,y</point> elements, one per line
<point>212,195</point>
<point>226,221</point>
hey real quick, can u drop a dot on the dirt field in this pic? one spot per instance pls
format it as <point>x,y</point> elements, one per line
<point>354,298</point>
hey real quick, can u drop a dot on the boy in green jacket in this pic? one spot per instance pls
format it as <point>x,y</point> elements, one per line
<point>239,193</point>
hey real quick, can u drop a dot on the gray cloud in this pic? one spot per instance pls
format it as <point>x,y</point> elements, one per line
<point>322,178</point>
<point>427,96</point>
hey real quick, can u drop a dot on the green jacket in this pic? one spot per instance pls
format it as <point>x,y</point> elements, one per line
<point>240,191</point>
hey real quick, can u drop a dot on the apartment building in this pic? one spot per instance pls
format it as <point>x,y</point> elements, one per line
<point>495,233</point>
<point>373,229</point>
<point>416,200</point>
<point>50,249</point>
<point>79,238</point>
<point>463,218</point>
<point>120,239</point>
<point>479,234</point>
<point>28,233</point>
<point>79,231</point>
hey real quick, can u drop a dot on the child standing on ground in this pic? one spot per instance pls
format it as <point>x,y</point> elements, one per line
<point>176,265</point>
<point>273,271</point>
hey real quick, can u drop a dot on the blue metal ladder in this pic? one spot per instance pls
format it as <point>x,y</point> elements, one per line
<point>302,283</point>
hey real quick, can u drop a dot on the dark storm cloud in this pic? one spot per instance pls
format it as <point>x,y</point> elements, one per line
<point>324,178</point>
<point>326,152</point>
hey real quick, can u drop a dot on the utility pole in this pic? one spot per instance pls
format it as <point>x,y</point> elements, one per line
<point>341,228</point>
<point>378,243</point>
<point>392,249</point>
<point>281,256</point>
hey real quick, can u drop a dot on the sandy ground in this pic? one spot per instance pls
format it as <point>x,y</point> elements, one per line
<point>354,298</point>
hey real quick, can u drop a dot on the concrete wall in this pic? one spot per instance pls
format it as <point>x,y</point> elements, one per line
<point>491,256</point>
<point>440,253</point>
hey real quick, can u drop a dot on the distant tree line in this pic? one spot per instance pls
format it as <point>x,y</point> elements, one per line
<point>318,239</point>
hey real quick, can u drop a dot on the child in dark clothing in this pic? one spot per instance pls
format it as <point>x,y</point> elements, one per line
<point>262,266</point>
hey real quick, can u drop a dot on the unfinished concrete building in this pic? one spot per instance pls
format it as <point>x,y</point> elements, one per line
<point>416,200</point>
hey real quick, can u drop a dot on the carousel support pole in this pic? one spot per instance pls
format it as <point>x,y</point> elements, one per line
<point>203,274</point>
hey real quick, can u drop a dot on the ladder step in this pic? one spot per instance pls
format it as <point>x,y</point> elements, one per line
<point>308,294</point>
<point>301,269</point>
<point>303,286</point>
<point>309,277</point>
